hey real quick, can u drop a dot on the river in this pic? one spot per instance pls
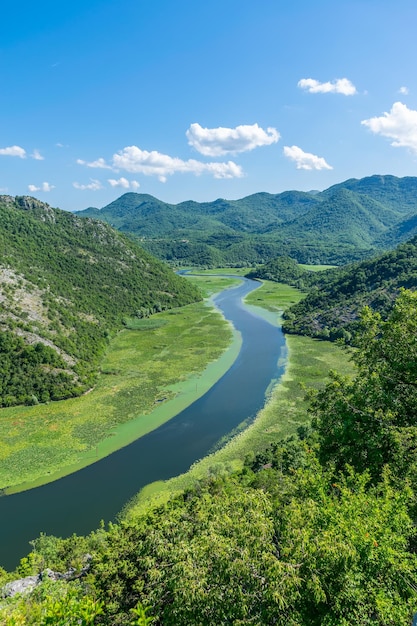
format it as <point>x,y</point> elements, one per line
<point>78,502</point>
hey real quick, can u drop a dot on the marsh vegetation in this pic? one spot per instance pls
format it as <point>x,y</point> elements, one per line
<point>151,364</point>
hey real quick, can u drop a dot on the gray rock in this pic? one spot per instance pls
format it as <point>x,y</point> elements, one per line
<point>23,585</point>
<point>27,584</point>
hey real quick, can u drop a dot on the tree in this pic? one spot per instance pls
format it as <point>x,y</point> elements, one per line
<point>349,544</point>
<point>371,420</point>
<point>210,558</point>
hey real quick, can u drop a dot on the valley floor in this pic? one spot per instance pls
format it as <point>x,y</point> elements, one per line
<point>150,375</point>
<point>147,376</point>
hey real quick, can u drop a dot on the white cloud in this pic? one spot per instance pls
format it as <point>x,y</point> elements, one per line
<point>14,151</point>
<point>121,182</point>
<point>100,163</point>
<point>305,160</point>
<point>124,183</point>
<point>404,91</point>
<point>47,187</point>
<point>133,159</point>
<point>400,124</point>
<point>95,185</point>
<point>44,187</point>
<point>339,85</point>
<point>37,155</point>
<point>219,141</point>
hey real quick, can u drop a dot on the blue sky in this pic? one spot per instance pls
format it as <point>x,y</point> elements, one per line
<point>203,100</point>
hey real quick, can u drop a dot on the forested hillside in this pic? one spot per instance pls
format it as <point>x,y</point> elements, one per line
<point>336,297</point>
<point>66,284</point>
<point>319,529</point>
<point>284,269</point>
<point>344,223</point>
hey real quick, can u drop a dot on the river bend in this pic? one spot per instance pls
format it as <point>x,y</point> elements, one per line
<point>77,503</point>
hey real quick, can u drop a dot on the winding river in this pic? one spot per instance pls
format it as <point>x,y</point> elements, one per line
<point>77,503</point>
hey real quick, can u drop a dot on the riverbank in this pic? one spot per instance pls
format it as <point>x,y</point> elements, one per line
<point>78,502</point>
<point>308,364</point>
<point>147,377</point>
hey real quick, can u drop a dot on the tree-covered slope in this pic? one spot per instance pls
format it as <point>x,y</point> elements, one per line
<point>332,307</point>
<point>344,223</point>
<point>342,218</point>
<point>397,194</point>
<point>282,269</point>
<point>400,232</point>
<point>146,216</point>
<point>66,283</point>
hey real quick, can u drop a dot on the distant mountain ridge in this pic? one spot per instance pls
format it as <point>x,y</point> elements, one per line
<point>66,283</point>
<point>343,223</point>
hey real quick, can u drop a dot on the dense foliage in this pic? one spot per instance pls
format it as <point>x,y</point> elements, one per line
<point>284,269</point>
<point>370,421</point>
<point>317,530</point>
<point>342,224</point>
<point>66,284</point>
<point>336,297</point>
<point>31,373</point>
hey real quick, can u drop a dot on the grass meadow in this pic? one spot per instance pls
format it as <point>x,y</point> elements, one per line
<point>152,370</point>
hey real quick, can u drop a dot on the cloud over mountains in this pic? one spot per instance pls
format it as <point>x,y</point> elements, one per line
<point>400,125</point>
<point>219,141</point>
<point>305,160</point>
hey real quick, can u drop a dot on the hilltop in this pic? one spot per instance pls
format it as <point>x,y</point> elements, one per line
<point>344,223</point>
<point>66,285</point>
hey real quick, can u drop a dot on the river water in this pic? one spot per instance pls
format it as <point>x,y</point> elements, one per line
<point>78,502</point>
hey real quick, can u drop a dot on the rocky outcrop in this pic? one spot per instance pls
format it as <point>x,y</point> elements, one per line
<point>23,585</point>
<point>27,584</point>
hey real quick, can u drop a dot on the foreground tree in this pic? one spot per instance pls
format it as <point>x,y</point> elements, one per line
<point>371,421</point>
<point>210,558</point>
<point>350,544</point>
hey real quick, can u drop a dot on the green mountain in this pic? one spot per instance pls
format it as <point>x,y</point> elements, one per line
<point>146,216</point>
<point>337,296</point>
<point>66,285</point>
<point>344,223</point>
<point>398,194</point>
<point>402,231</point>
<point>345,217</point>
<point>209,233</point>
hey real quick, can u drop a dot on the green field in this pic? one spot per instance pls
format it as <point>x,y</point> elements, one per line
<point>152,370</point>
<point>317,268</point>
